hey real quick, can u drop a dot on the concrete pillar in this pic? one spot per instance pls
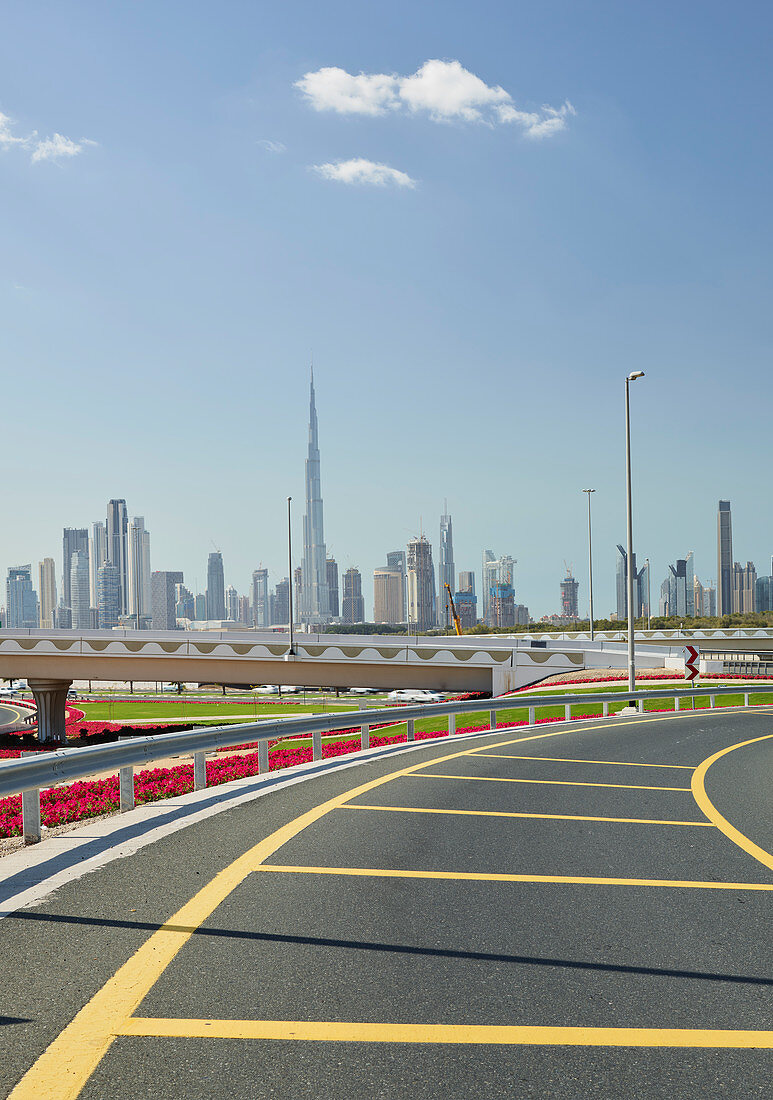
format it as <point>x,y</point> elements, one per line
<point>199,771</point>
<point>30,812</point>
<point>50,697</point>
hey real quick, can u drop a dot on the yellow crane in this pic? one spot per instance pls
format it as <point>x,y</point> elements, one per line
<point>451,604</point>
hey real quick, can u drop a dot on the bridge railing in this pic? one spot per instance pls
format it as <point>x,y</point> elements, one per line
<point>36,771</point>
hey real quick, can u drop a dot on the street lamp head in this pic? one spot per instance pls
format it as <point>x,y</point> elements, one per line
<point>635,374</point>
<point>589,490</point>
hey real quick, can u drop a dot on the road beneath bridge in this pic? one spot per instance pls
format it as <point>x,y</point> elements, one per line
<point>579,911</point>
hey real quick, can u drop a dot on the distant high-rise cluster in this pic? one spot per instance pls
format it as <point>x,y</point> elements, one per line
<point>106,581</point>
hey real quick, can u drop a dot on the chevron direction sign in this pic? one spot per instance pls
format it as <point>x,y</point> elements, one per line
<point>691,656</point>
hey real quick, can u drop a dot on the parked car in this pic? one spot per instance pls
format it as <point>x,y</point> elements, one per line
<point>414,695</point>
<point>72,693</point>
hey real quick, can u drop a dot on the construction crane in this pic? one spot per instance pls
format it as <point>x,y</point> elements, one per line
<point>457,624</point>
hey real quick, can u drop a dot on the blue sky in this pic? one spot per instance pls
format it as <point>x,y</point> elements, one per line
<point>163,289</point>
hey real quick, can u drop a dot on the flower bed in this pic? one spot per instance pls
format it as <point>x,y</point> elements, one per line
<point>82,800</point>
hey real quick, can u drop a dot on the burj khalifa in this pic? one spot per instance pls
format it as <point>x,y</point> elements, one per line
<point>315,601</point>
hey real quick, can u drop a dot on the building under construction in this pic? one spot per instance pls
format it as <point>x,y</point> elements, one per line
<point>569,599</point>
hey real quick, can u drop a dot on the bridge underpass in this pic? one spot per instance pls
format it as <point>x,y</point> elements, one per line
<point>559,913</point>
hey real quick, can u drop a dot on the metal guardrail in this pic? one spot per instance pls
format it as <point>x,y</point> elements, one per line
<point>36,771</point>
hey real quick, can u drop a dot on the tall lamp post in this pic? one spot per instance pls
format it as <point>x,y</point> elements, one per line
<point>291,651</point>
<point>590,561</point>
<point>631,659</point>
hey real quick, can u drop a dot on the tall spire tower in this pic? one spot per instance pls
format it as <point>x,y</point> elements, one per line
<point>315,601</point>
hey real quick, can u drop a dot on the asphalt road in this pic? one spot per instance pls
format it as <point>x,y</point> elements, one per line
<point>550,915</point>
<point>10,715</point>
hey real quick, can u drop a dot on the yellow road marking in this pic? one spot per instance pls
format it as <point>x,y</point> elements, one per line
<point>472,876</point>
<point>62,1070</point>
<point>502,813</point>
<point>713,814</point>
<point>550,782</point>
<point>324,1031</point>
<point>571,760</point>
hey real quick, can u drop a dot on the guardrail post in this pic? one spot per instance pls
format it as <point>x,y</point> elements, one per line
<point>316,745</point>
<point>567,712</point>
<point>126,788</point>
<point>605,710</point>
<point>641,706</point>
<point>262,757</point>
<point>451,725</point>
<point>364,730</point>
<point>411,729</point>
<point>199,771</point>
<point>746,698</point>
<point>712,700</point>
<point>492,720</point>
<point>30,812</point>
<point>532,716</point>
<point>677,701</point>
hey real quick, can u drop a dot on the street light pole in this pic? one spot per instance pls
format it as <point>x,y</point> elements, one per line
<point>629,513</point>
<point>590,561</point>
<point>291,651</point>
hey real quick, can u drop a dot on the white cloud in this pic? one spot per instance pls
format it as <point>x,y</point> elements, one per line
<point>273,146</point>
<point>538,124</point>
<point>361,171</point>
<point>444,90</point>
<point>58,146</point>
<point>7,139</point>
<point>48,149</point>
<point>334,89</point>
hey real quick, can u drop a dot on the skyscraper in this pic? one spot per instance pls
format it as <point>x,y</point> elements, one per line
<point>138,571</point>
<point>353,604</point>
<point>332,588</point>
<point>569,601</point>
<point>108,595</point>
<point>117,524</point>
<point>232,604</point>
<point>282,603</point>
<point>215,586</point>
<point>73,538</point>
<point>79,590</point>
<point>744,587</point>
<point>421,585</point>
<point>724,559</point>
<point>495,571</point>
<point>316,603</point>
<point>261,608</point>
<point>47,590</point>
<point>163,595</point>
<point>21,601</point>
<point>389,590</point>
<point>621,586</point>
<point>446,570</point>
<point>467,581</point>
<point>97,557</point>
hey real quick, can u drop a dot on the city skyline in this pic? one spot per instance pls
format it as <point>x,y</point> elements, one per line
<point>684,592</point>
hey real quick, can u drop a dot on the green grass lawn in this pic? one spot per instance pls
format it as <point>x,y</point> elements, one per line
<point>133,710</point>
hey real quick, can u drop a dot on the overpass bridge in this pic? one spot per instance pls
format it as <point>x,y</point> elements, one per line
<point>51,660</point>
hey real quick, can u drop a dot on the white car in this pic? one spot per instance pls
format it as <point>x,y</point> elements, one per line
<point>414,695</point>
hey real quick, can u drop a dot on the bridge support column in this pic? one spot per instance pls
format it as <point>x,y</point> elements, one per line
<point>50,697</point>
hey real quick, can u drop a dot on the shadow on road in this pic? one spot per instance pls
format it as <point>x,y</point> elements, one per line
<point>393,948</point>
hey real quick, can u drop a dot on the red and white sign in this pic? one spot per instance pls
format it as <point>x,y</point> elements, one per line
<point>691,657</point>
